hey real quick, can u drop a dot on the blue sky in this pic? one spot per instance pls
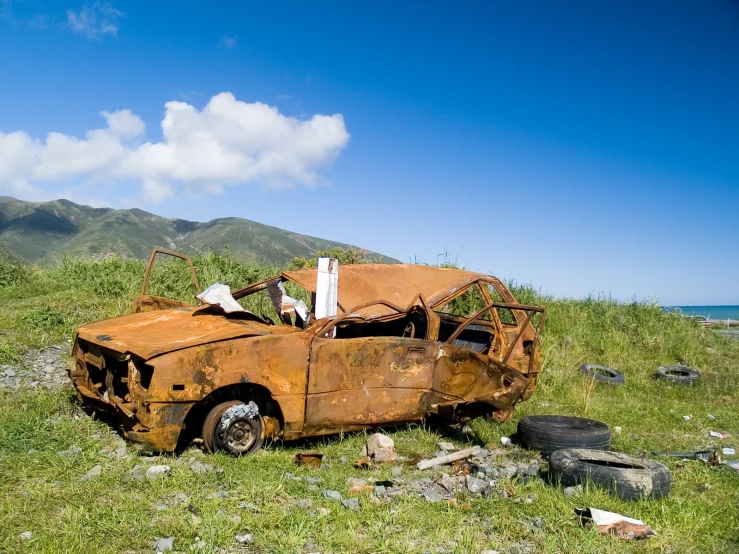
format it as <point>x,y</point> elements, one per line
<point>582,147</point>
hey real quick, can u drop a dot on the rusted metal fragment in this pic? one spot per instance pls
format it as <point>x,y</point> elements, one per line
<point>310,459</point>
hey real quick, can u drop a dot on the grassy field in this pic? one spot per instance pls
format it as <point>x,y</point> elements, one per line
<point>115,512</point>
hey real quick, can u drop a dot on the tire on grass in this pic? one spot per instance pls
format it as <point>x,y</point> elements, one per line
<point>234,427</point>
<point>548,433</point>
<point>677,374</point>
<point>628,477</point>
<point>603,374</point>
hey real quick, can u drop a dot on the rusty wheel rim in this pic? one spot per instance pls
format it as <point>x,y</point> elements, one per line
<point>239,437</point>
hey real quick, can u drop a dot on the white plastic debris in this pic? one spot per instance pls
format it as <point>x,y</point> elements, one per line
<point>733,465</point>
<point>505,441</point>
<point>728,451</point>
<point>688,417</point>
<point>719,434</point>
<point>219,294</point>
<point>616,524</point>
<point>711,417</point>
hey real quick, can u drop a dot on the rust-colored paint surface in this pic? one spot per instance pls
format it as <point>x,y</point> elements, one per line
<point>165,366</point>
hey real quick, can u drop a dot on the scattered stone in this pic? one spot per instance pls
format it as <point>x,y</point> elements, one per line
<point>164,545</point>
<point>198,544</point>
<point>10,372</point>
<point>432,496</point>
<point>380,490</point>
<point>73,450</point>
<point>26,536</point>
<point>333,495</point>
<point>32,451</point>
<point>351,504</point>
<point>95,472</point>
<point>199,467</point>
<point>161,507</point>
<point>304,503</point>
<point>380,448</point>
<point>312,487</point>
<point>138,472</point>
<point>244,538</point>
<point>323,511</point>
<point>235,519</point>
<point>396,471</point>
<point>314,479</point>
<point>216,495</point>
<point>573,491</point>
<point>157,472</point>
<point>475,485</point>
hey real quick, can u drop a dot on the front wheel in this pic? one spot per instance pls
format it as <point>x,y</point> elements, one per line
<point>234,427</point>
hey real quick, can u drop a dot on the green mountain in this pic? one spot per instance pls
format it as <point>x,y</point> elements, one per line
<point>42,232</point>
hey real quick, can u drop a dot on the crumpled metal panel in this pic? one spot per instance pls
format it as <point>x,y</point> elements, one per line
<point>150,334</point>
<point>396,283</point>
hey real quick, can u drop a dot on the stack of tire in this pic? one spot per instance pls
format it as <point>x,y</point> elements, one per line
<point>578,451</point>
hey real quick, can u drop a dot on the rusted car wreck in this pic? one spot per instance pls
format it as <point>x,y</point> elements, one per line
<point>397,350</point>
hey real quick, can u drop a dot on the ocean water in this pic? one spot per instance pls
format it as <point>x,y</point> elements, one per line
<point>711,312</point>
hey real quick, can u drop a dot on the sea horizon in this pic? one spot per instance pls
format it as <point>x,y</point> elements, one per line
<point>716,312</point>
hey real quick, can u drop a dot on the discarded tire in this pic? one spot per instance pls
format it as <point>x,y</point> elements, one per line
<point>548,433</point>
<point>603,374</point>
<point>629,477</point>
<point>677,374</point>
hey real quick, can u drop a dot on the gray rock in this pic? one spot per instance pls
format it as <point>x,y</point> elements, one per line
<point>244,538</point>
<point>475,485</point>
<point>95,472</point>
<point>351,504</point>
<point>314,479</point>
<point>380,490</point>
<point>492,473</point>
<point>448,446</point>
<point>432,496</point>
<point>199,467</point>
<point>508,470</point>
<point>380,448</point>
<point>138,472</point>
<point>333,495</point>
<point>73,450</point>
<point>26,536</point>
<point>10,372</point>
<point>157,472</point>
<point>312,487</point>
<point>304,503</point>
<point>573,491</point>
<point>164,545</point>
<point>396,471</point>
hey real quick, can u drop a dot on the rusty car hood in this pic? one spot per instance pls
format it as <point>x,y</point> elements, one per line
<point>397,283</point>
<point>150,334</point>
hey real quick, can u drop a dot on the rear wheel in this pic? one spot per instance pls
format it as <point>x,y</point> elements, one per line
<point>234,427</point>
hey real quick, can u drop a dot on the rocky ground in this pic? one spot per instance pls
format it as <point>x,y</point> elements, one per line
<point>39,369</point>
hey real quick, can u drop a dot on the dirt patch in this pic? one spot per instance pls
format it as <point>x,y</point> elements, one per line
<point>45,368</point>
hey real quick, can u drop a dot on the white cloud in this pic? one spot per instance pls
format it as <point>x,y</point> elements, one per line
<point>229,42</point>
<point>227,143</point>
<point>94,20</point>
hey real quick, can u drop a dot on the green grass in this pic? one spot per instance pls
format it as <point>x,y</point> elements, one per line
<point>42,491</point>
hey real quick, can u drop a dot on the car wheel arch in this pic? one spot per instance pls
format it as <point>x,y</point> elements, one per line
<point>245,392</point>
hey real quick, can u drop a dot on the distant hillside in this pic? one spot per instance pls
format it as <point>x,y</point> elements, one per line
<point>42,232</point>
